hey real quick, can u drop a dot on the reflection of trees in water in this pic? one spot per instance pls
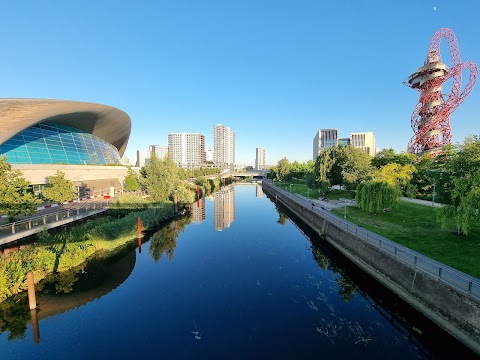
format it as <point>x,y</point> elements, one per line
<point>14,316</point>
<point>282,218</point>
<point>347,287</point>
<point>164,240</point>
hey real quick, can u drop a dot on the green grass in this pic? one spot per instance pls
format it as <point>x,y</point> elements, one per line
<point>299,188</point>
<point>415,227</point>
<point>302,189</point>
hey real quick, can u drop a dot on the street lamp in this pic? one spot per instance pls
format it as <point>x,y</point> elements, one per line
<point>77,180</point>
<point>345,209</point>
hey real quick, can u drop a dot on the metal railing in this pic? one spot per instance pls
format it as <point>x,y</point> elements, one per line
<point>51,218</point>
<point>455,278</point>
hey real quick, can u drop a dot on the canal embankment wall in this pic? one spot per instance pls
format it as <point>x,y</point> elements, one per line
<point>448,297</point>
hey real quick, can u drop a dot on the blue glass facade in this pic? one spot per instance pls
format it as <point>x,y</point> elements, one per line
<point>58,144</point>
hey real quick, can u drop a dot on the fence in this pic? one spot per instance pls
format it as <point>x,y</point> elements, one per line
<point>38,222</point>
<point>455,278</point>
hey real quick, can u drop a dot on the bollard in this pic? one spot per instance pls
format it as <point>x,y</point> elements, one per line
<point>35,328</point>
<point>32,301</point>
<point>198,192</point>
<point>139,227</point>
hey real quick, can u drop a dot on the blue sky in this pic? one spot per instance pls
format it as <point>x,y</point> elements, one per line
<point>273,71</point>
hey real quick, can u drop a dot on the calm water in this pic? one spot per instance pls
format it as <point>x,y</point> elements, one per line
<point>237,280</point>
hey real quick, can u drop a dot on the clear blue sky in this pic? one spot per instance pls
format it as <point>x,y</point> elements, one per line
<point>273,71</point>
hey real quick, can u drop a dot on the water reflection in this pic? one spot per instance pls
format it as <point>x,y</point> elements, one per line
<point>258,191</point>
<point>198,211</point>
<point>224,207</point>
<point>61,292</point>
<point>164,240</point>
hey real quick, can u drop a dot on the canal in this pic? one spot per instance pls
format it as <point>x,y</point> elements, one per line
<point>238,279</point>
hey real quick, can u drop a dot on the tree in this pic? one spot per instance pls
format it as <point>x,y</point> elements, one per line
<point>357,166</point>
<point>465,205</point>
<point>60,189</point>
<point>463,171</point>
<point>388,156</point>
<point>16,198</point>
<point>161,178</point>
<point>283,169</point>
<point>131,180</point>
<point>323,166</point>
<point>374,196</point>
<point>394,174</point>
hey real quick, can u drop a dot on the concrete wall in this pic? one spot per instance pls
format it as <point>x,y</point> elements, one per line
<point>457,313</point>
<point>92,179</point>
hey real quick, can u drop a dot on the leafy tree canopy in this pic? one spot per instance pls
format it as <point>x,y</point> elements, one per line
<point>374,196</point>
<point>394,174</point>
<point>389,156</point>
<point>60,189</point>
<point>161,178</point>
<point>15,196</point>
<point>131,181</point>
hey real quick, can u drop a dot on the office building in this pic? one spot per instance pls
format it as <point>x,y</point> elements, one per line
<point>324,139</point>
<point>364,141</point>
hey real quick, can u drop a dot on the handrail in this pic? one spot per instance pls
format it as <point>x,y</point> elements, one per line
<point>453,277</point>
<point>41,220</point>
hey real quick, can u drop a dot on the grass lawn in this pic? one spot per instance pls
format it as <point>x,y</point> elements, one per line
<point>415,227</point>
<point>302,189</point>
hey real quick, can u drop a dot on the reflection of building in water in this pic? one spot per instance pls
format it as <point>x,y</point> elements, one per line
<point>259,190</point>
<point>198,210</point>
<point>224,204</point>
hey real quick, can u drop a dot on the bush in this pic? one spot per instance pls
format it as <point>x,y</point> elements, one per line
<point>374,196</point>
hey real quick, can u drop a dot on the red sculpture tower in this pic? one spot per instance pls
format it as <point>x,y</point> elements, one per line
<point>431,117</point>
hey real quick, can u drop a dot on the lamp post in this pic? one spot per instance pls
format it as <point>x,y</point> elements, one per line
<point>433,195</point>
<point>77,180</point>
<point>345,209</point>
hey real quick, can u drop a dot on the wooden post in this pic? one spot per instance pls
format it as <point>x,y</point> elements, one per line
<point>35,328</point>
<point>139,245</point>
<point>175,202</point>
<point>32,301</point>
<point>139,227</point>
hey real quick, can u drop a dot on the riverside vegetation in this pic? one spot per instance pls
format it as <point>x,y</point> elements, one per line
<point>61,251</point>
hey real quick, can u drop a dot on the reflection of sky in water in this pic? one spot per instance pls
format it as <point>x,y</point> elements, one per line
<point>253,290</point>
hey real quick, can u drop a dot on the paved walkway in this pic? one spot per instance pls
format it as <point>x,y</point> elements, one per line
<point>42,210</point>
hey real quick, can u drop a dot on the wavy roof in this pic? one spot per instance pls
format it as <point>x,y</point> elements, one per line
<point>106,122</point>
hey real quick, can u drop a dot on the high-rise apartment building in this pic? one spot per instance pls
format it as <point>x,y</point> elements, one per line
<point>364,141</point>
<point>324,139</point>
<point>187,149</point>
<point>223,146</point>
<point>160,151</point>
<point>260,159</point>
<point>209,155</point>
